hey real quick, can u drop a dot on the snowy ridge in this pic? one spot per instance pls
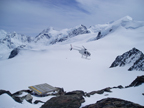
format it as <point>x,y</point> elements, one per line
<point>126,22</point>
<point>9,41</point>
<point>51,36</point>
<point>134,58</point>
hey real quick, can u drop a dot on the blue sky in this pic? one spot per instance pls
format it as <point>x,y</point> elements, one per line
<point>30,17</point>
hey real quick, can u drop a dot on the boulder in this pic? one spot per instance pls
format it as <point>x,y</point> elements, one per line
<point>64,101</point>
<point>113,103</point>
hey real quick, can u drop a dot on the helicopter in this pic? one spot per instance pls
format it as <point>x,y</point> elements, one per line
<point>82,50</point>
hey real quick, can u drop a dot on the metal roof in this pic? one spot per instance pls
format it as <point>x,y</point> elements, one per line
<point>41,89</point>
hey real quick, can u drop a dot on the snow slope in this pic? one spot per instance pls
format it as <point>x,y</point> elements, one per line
<point>60,67</point>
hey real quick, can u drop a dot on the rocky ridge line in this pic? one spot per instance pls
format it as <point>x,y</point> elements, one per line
<point>74,99</point>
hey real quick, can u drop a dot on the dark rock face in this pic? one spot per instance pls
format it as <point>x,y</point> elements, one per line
<point>16,96</point>
<point>113,103</point>
<point>41,36</point>
<point>99,35</point>
<point>108,89</point>
<point>64,101</point>
<point>76,92</point>
<point>134,57</point>
<point>4,91</point>
<point>138,65</point>
<point>77,31</point>
<point>15,51</point>
<point>138,81</point>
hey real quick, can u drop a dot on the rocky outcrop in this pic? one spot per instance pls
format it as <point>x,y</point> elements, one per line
<point>64,101</point>
<point>107,89</point>
<point>15,51</point>
<point>133,57</point>
<point>74,99</point>
<point>138,65</point>
<point>78,30</point>
<point>113,103</point>
<point>138,81</point>
<point>16,98</point>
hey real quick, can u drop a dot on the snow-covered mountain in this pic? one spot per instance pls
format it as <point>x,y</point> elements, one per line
<point>51,36</point>
<point>104,29</point>
<point>9,41</point>
<point>58,66</point>
<point>14,39</point>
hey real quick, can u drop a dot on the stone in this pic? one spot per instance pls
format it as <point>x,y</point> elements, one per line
<point>4,91</point>
<point>29,98</point>
<point>108,89</point>
<point>120,87</point>
<point>64,101</point>
<point>38,101</point>
<point>76,92</point>
<point>113,103</point>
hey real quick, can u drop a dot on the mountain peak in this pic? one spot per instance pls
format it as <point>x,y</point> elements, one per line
<point>126,18</point>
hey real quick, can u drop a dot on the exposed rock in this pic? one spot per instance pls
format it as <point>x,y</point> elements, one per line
<point>138,65</point>
<point>64,101</point>
<point>76,92</point>
<point>15,51</point>
<point>133,57</point>
<point>120,87</point>
<point>99,35</point>
<point>51,36</point>
<point>21,91</point>
<point>29,98</point>
<point>18,99</point>
<point>138,81</point>
<point>78,30</point>
<point>4,91</point>
<point>108,89</point>
<point>16,96</point>
<point>113,103</point>
<point>38,101</point>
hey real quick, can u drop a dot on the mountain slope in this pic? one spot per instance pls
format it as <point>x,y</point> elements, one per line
<point>9,41</point>
<point>58,66</point>
<point>104,29</point>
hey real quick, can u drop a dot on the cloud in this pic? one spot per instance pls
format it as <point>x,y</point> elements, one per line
<point>32,16</point>
<point>114,9</point>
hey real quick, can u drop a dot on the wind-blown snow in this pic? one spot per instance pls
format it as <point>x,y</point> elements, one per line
<point>60,67</point>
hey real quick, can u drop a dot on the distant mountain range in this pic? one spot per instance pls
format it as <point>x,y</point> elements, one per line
<point>51,36</point>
